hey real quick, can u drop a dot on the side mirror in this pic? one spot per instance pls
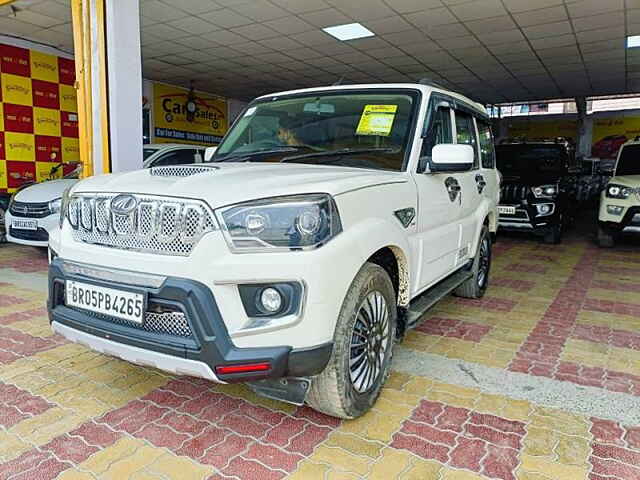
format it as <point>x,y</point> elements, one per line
<point>451,158</point>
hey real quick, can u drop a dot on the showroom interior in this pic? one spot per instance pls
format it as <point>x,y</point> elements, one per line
<point>534,375</point>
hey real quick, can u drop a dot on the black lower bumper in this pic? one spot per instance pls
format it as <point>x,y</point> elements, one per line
<point>630,219</point>
<point>527,219</point>
<point>206,339</point>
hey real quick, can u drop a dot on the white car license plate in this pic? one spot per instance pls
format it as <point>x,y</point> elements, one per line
<point>506,209</point>
<point>24,224</point>
<point>115,303</point>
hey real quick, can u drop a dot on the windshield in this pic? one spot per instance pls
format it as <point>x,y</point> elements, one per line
<point>368,130</point>
<point>629,162</point>
<point>530,159</point>
<point>147,152</point>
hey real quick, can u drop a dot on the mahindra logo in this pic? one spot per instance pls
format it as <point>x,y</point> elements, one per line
<point>24,146</point>
<point>68,97</point>
<point>124,204</point>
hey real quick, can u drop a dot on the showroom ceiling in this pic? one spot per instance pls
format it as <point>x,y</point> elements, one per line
<point>493,50</point>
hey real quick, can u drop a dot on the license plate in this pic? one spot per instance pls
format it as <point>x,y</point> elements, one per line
<point>506,210</point>
<point>108,301</point>
<point>24,224</point>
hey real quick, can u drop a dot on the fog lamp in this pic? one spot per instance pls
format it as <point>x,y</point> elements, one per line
<point>270,300</point>
<point>544,208</point>
<point>614,210</point>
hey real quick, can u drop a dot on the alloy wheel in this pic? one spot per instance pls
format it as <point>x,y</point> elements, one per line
<point>369,342</point>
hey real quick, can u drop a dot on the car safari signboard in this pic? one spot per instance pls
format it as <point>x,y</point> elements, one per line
<point>186,116</point>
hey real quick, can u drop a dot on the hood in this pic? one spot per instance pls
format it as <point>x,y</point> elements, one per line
<point>531,180</point>
<point>229,183</point>
<point>628,180</point>
<point>45,191</point>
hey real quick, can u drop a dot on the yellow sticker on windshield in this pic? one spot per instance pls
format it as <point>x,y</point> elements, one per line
<point>377,120</point>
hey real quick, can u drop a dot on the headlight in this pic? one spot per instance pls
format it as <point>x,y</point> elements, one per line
<point>618,191</point>
<point>545,191</point>
<point>54,205</point>
<point>281,223</point>
<point>64,205</point>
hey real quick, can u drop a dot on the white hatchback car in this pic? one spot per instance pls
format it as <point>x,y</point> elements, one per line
<point>34,210</point>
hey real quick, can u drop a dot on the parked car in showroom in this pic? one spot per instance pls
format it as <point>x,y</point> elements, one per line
<point>34,211</point>
<point>620,200</point>
<point>327,223</point>
<point>538,186</point>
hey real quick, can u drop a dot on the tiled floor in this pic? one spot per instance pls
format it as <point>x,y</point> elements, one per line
<point>540,380</point>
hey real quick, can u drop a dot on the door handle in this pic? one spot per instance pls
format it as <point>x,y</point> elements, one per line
<point>454,188</point>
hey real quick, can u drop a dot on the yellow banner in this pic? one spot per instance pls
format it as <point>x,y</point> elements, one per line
<point>19,146</point>
<point>44,67</point>
<point>68,98</point>
<point>183,117</point>
<point>609,134</point>
<point>1,120</point>
<point>543,129</point>
<point>70,149</point>
<point>46,121</point>
<point>16,89</point>
<point>3,174</point>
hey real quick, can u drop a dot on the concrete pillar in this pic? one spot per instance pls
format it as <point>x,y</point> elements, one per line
<point>583,137</point>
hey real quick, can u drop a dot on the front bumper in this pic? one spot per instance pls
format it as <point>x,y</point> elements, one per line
<point>198,348</point>
<point>627,222</point>
<point>528,218</point>
<point>34,238</point>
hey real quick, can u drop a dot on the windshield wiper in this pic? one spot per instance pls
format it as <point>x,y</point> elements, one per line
<point>243,157</point>
<point>340,152</point>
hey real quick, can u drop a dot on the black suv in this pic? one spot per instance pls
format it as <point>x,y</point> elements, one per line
<point>538,186</point>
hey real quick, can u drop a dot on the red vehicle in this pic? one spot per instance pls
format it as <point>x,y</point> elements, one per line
<point>608,146</point>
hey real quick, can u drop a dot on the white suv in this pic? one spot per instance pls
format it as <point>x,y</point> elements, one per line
<point>620,200</point>
<point>328,221</point>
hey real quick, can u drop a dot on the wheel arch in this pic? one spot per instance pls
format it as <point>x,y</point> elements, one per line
<point>394,261</point>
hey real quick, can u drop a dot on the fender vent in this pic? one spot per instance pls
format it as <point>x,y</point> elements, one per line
<point>180,170</point>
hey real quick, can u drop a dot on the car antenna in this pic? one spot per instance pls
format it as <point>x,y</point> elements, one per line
<point>338,82</point>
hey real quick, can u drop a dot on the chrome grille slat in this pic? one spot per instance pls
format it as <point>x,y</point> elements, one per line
<point>30,209</point>
<point>162,225</point>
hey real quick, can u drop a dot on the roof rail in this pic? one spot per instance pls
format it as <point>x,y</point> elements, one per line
<point>431,83</point>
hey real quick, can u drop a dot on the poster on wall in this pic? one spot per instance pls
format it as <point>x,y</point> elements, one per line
<point>544,129</point>
<point>185,116</point>
<point>609,134</point>
<point>38,115</point>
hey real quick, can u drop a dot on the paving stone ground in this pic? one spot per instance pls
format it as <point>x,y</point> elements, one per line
<point>539,380</point>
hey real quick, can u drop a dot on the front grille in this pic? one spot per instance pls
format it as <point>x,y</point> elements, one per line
<point>30,210</point>
<point>513,193</point>
<point>180,170</point>
<point>163,225</point>
<point>39,235</point>
<point>168,323</point>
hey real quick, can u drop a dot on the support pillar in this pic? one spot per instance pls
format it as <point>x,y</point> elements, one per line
<point>109,84</point>
<point>583,140</point>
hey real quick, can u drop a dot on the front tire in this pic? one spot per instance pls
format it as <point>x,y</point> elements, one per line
<point>605,238</point>
<point>362,347</point>
<point>475,286</point>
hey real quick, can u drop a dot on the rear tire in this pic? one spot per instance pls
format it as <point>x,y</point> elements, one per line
<point>605,238</point>
<point>345,389</point>
<point>477,284</point>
